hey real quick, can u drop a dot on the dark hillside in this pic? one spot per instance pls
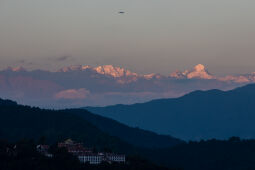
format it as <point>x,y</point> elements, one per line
<point>198,115</point>
<point>22,122</point>
<point>134,136</point>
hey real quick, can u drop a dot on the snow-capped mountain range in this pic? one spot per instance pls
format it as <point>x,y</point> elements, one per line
<point>198,72</point>
<point>75,86</point>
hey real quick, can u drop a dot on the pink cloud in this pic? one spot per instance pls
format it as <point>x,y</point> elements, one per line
<point>72,94</point>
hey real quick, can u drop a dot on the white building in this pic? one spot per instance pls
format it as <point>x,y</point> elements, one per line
<point>86,155</point>
<point>115,158</point>
<point>91,158</point>
<point>98,158</point>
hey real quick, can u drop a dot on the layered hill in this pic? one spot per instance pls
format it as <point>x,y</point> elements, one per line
<point>22,122</point>
<point>197,115</point>
<point>135,136</point>
<point>19,122</point>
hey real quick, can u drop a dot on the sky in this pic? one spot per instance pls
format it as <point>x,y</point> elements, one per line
<point>151,36</point>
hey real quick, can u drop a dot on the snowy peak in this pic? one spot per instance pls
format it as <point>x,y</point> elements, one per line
<point>108,70</point>
<point>198,72</point>
<point>199,68</point>
<point>114,71</point>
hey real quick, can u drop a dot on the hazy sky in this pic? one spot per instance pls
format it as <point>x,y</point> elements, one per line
<point>152,36</point>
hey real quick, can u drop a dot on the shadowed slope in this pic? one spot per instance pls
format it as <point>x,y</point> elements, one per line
<point>134,136</point>
<point>200,114</point>
<point>22,122</point>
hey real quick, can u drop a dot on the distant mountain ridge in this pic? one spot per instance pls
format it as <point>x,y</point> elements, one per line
<point>198,72</point>
<point>197,115</point>
<point>84,85</point>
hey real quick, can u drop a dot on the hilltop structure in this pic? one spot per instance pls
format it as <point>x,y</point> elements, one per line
<point>86,155</point>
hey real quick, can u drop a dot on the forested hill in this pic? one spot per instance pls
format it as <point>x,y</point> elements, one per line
<point>7,103</point>
<point>19,122</point>
<point>135,136</point>
<point>23,122</point>
<point>231,154</point>
<point>23,155</point>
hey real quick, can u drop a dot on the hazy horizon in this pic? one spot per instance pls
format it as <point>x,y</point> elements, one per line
<point>21,65</point>
<point>151,36</point>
